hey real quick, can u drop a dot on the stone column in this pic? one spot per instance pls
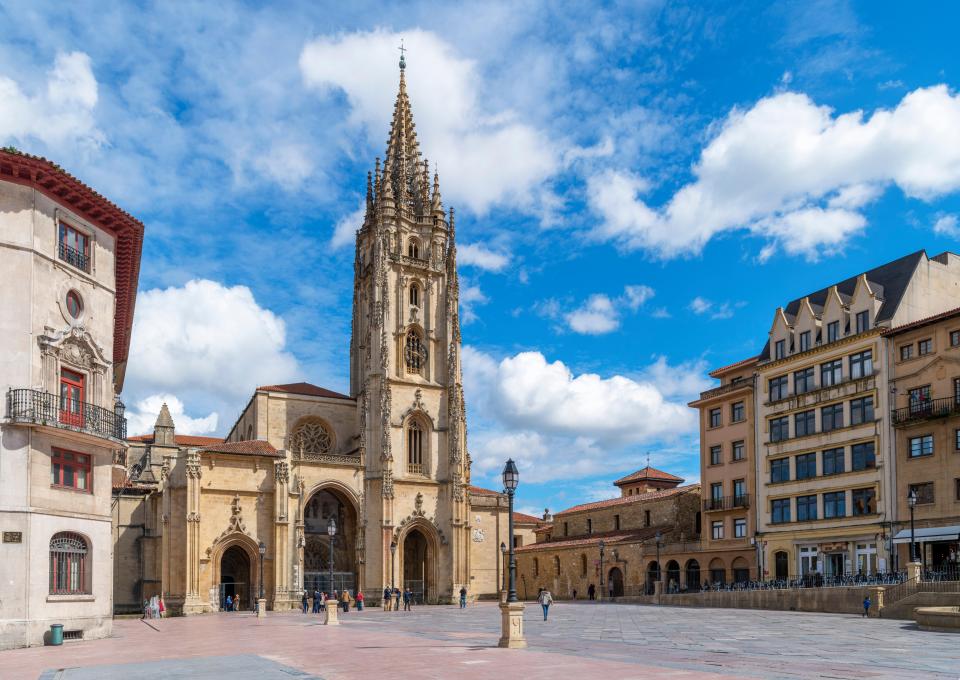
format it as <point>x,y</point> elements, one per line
<point>281,527</point>
<point>193,604</point>
<point>511,625</point>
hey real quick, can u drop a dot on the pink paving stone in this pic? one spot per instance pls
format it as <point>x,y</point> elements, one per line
<point>356,649</point>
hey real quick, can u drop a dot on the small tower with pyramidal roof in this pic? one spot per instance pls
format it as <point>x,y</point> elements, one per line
<point>163,429</point>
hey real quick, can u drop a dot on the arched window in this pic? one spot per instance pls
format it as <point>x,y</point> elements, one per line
<point>414,295</point>
<point>536,567</point>
<point>583,565</point>
<point>249,432</point>
<point>69,569</point>
<point>415,448</point>
<point>556,566</point>
<point>415,353</point>
<point>311,437</point>
<point>413,248</point>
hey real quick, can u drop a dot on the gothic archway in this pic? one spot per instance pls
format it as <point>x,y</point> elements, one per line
<point>615,581</point>
<point>325,504</point>
<point>418,563</point>
<point>235,578</point>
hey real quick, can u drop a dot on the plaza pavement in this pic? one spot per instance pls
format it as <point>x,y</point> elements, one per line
<point>581,641</point>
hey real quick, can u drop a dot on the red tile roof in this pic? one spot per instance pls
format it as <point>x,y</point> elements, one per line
<point>303,388</point>
<point>480,491</point>
<point>63,188</point>
<point>251,447</point>
<point>608,537</point>
<point>922,322</point>
<point>546,527</point>
<point>180,439</point>
<point>119,478</point>
<point>723,369</point>
<point>523,518</point>
<point>649,473</point>
<point>624,500</point>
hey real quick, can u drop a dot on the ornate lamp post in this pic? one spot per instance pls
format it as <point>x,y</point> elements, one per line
<point>331,606</point>
<point>602,546</point>
<point>261,602</point>
<point>511,611</point>
<point>912,502</point>
<point>503,563</point>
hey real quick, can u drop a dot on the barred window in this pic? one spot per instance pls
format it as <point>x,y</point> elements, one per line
<point>415,448</point>
<point>68,564</point>
<point>415,353</point>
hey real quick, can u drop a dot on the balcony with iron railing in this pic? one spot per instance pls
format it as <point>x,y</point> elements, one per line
<point>925,409</point>
<point>34,407</point>
<point>74,257</point>
<point>714,504</point>
<point>729,387</point>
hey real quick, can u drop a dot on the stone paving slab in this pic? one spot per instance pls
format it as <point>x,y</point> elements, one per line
<point>623,642</point>
<point>243,667</point>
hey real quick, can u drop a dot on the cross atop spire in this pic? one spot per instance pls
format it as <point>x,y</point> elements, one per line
<point>403,62</point>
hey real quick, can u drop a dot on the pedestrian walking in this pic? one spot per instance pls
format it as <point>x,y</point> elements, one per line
<point>463,597</point>
<point>866,606</point>
<point>146,609</point>
<point>574,593</point>
<point>407,596</point>
<point>396,599</point>
<point>316,600</point>
<point>387,597</point>
<point>545,599</point>
<point>610,590</point>
<point>359,600</point>
<point>162,607</point>
<point>229,605</point>
<point>345,600</point>
<point>591,592</point>
<point>303,601</point>
<point>323,601</point>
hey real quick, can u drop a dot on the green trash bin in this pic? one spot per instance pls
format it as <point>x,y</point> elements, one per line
<point>56,634</point>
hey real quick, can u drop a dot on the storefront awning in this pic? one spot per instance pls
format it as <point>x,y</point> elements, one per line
<point>929,534</point>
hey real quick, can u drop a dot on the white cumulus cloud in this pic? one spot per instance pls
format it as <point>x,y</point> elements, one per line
<point>600,314</point>
<point>792,172</point>
<point>946,225</point>
<point>143,416</point>
<point>479,256</point>
<point>484,157</point>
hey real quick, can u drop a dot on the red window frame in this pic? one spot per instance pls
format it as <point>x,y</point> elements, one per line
<point>71,470</point>
<point>79,241</point>
<point>71,397</point>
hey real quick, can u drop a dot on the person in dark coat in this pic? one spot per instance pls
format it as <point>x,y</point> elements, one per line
<point>303,601</point>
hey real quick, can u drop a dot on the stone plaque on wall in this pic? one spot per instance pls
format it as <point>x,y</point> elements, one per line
<point>13,537</point>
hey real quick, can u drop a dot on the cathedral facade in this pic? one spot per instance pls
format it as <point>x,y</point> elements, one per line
<point>384,468</point>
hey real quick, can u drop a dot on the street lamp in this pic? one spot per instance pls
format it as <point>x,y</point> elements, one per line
<point>393,553</point>
<point>331,532</point>
<point>912,502</point>
<point>503,561</point>
<point>602,546</point>
<point>511,478</point>
<point>658,538</point>
<point>263,551</point>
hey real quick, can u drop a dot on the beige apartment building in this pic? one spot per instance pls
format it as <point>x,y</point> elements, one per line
<point>925,399</point>
<point>825,498</point>
<point>727,472</point>
<point>614,545</point>
<point>69,262</point>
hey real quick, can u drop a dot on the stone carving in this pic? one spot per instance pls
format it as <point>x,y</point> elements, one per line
<point>236,524</point>
<point>193,465</point>
<point>417,518</point>
<point>281,471</point>
<point>418,505</point>
<point>193,516</point>
<point>311,437</point>
<point>478,536</point>
<point>74,345</point>
<point>387,489</point>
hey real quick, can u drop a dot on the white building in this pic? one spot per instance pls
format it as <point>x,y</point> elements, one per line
<point>69,265</point>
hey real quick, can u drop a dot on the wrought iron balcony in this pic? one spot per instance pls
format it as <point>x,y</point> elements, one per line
<point>729,387</point>
<point>925,410</point>
<point>726,502</point>
<point>74,257</point>
<point>42,408</point>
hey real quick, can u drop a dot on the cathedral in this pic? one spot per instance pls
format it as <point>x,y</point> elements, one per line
<point>312,489</point>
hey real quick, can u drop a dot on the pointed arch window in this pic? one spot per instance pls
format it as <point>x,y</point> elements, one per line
<point>583,565</point>
<point>415,352</point>
<point>556,566</point>
<point>69,569</point>
<point>413,248</point>
<point>415,447</point>
<point>414,294</point>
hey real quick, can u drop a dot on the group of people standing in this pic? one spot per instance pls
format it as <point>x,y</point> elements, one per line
<point>341,599</point>
<point>392,597</point>
<point>153,608</point>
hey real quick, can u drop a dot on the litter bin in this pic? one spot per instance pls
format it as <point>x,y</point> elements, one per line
<point>56,634</point>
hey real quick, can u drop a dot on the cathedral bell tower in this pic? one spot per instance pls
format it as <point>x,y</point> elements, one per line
<point>405,374</point>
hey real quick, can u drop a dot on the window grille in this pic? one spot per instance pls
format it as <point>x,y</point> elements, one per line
<point>68,564</point>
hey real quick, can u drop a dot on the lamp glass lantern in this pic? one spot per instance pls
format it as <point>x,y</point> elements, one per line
<point>511,476</point>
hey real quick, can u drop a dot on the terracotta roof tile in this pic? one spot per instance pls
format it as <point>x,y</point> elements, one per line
<point>649,473</point>
<point>609,538</point>
<point>546,527</point>
<point>922,322</point>
<point>523,518</point>
<point>480,491</point>
<point>625,500</point>
<point>251,447</point>
<point>180,439</point>
<point>119,478</point>
<point>304,388</point>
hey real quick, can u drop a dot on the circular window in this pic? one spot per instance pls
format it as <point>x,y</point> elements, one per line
<point>74,304</point>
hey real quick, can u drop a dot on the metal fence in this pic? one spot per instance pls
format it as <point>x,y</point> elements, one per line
<point>43,408</point>
<point>320,580</point>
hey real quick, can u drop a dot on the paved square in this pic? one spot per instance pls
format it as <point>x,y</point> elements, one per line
<point>583,640</point>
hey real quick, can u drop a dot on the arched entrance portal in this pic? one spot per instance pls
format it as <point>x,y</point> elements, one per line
<point>324,505</point>
<point>693,575</point>
<point>653,575</point>
<point>673,577</point>
<point>615,579</point>
<point>417,567</point>
<point>235,578</point>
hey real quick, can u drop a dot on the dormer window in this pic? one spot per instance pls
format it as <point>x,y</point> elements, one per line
<point>74,247</point>
<point>863,321</point>
<point>805,341</point>
<point>780,349</point>
<point>833,331</point>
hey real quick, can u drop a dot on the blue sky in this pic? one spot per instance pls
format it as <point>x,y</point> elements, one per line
<point>638,186</point>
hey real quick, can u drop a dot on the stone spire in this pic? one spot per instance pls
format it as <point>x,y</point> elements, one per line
<point>403,150</point>
<point>163,429</point>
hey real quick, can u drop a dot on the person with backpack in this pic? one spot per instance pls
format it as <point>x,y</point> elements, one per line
<point>463,597</point>
<point>387,596</point>
<point>545,599</point>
